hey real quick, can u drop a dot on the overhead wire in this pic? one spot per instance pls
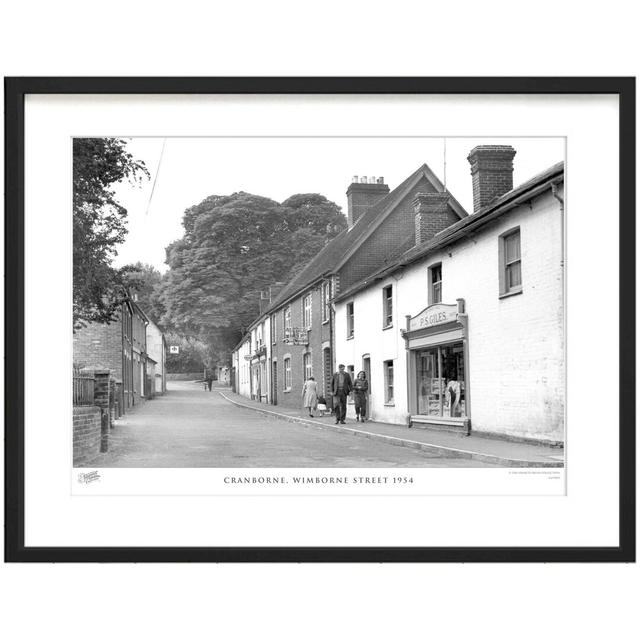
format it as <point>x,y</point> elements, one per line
<point>153,187</point>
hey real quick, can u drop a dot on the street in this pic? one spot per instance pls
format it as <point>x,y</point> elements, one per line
<point>189,427</point>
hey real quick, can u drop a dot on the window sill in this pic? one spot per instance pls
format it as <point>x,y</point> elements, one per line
<point>508,294</point>
<point>389,404</point>
<point>325,321</point>
<point>286,390</point>
<point>349,337</point>
<point>388,326</point>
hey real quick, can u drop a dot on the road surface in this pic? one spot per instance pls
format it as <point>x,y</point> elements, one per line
<point>190,427</point>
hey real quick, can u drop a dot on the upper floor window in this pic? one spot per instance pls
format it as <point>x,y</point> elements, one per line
<point>387,306</point>
<point>435,284</point>
<point>306,311</point>
<point>326,296</point>
<point>286,316</point>
<point>510,267</point>
<point>350,320</point>
<point>273,328</point>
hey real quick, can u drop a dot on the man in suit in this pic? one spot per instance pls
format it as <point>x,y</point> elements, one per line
<point>341,386</point>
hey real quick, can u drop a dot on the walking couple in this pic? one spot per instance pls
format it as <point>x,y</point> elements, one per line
<point>341,388</point>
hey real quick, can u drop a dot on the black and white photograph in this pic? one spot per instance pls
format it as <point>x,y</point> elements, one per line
<point>363,320</point>
<point>318,302</point>
<point>320,320</point>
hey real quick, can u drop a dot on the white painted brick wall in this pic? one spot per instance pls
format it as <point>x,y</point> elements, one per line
<point>516,344</point>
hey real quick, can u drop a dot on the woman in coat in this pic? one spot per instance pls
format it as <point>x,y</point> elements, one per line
<point>310,395</point>
<point>360,389</point>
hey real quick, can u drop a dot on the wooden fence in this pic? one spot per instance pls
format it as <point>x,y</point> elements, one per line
<point>83,388</point>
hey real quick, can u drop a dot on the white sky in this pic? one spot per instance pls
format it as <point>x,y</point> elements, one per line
<point>194,168</point>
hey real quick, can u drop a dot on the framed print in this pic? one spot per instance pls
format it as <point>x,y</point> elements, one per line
<point>320,319</point>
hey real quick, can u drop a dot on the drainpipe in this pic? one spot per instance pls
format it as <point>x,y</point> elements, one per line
<point>560,199</point>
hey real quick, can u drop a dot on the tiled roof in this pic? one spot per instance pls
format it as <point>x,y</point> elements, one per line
<point>452,233</point>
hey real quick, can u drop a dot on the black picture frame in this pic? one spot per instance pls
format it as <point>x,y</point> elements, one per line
<point>15,91</point>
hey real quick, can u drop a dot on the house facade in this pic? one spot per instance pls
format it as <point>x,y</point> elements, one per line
<point>465,330</point>
<point>300,314</point>
<point>120,347</point>
<point>157,350</point>
<point>250,362</point>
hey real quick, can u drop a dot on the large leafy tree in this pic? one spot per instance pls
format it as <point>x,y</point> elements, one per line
<point>145,281</point>
<point>193,354</point>
<point>233,248</point>
<point>98,224</point>
<point>312,221</point>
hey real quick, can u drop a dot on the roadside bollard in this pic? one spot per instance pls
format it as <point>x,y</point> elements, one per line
<point>104,430</point>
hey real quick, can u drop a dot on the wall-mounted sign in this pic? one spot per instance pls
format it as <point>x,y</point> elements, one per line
<point>296,335</point>
<point>434,315</point>
<point>174,349</point>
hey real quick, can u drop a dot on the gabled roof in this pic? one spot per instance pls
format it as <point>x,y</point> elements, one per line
<point>451,234</point>
<point>346,243</point>
<point>135,307</point>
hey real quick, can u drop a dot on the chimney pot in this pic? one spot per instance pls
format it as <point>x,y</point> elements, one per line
<point>364,194</point>
<point>491,173</point>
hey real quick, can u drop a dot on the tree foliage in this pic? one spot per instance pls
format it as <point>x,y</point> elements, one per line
<point>98,224</point>
<point>145,281</point>
<point>233,248</point>
<point>194,354</point>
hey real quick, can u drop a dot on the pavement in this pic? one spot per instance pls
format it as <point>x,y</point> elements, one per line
<point>191,428</point>
<point>492,451</point>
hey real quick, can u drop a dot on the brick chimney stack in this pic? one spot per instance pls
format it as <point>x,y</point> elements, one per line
<point>491,172</point>
<point>363,193</point>
<point>432,215</point>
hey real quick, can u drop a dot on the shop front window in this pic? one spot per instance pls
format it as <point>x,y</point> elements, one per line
<point>440,378</point>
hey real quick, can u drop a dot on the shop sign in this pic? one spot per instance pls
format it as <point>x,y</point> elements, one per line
<point>296,335</point>
<point>434,315</point>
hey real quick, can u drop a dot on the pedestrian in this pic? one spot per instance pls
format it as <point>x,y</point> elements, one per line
<point>341,388</point>
<point>209,381</point>
<point>360,389</point>
<point>310,395</point>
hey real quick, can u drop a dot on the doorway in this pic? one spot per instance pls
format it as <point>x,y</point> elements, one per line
<point>366,367</point>
<point>274,382</point>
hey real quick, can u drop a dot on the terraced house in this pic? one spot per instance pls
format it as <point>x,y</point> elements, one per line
<point>465,329</point>
<point>300,318</point>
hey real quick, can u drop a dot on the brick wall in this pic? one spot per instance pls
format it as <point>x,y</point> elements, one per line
<point>318,335</point>
<point>99,346</point>
<point>86,434</point>
<point>398,228</point>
